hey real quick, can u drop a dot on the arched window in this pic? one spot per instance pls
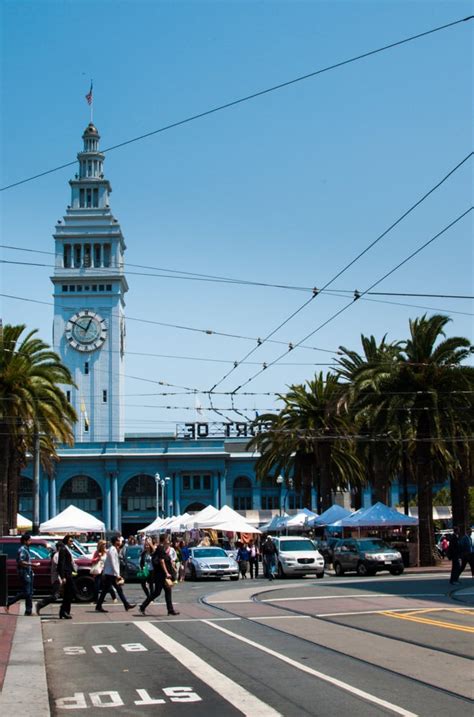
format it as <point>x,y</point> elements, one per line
<point>194,507</point>
<point>25,495</point>
<point>83,492</point>
<point>242,493</point>
<point>271,494</point>
<point>139,493</point>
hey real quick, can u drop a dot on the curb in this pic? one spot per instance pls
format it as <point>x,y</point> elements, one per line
<point>25,690</point>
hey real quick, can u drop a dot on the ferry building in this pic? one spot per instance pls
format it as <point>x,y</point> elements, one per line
<point>125,479</point>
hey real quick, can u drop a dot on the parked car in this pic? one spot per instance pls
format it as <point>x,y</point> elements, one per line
<point>211,562</point>
<point>366,556</point>
<point>130,561</point>
<point>298,556</point>
<point>41,550</point>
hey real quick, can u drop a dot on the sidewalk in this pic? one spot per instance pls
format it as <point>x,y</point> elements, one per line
<point>22,667</point>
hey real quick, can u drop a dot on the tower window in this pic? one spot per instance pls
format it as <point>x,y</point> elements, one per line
<point>89,168</point>
<point>86,367</point>
<point>87,255</point>
<point>101,287</point>
<point>64,287</point>
<point>88,197</point>
<point>86,288</point>
<point>108,287</point>
<point>79,287</point>
<point>68,396</point>
<point>97,254</point>
<point>94,287</point>
<point>77,255</point>
<point>72,287</point>
<point>95,202</point>
<point>104,396</point>
<point>67,256</point>
<point>107,254</point>
<point>86,426</point>
<point>81,198</point>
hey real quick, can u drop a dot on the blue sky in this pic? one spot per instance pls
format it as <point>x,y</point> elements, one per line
<point>286,188</point>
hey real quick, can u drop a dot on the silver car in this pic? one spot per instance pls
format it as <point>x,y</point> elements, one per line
<point>211,563</point>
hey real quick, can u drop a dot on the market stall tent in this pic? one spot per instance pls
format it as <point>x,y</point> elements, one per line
<point>73,520</point>
<point>23,523</point>
<point>229,521</point>
<point>377,516</point>
<point>335,512</point>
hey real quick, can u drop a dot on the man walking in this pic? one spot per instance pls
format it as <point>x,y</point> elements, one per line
<point>55,583</point>
<point>466,552</point>
<point>112,577</point>
<point>66,568</point>
<point>25,573</point>
<point>453,555</point>
<point>269,552</point>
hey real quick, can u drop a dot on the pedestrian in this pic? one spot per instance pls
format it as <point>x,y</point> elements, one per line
<point>453,555</point>
<point>97,570</point>
<point>146,568</point>
<point>185,554</point>
<point>444,545</point>
<point>56,587</point>
<point>25,573</point>
<point>243,556</point>
<point>112,577</point>
<point>269,552</point>
<point>466,552</point>
<point>162,576</point>
<point>66,568</point>
<point>254,559</point>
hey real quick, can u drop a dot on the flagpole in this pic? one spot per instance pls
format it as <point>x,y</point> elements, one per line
<point>92,103</point>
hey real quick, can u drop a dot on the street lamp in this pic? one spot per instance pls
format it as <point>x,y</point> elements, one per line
<point>157,495</point>
<point>163,483</point>
<point>280,480</point>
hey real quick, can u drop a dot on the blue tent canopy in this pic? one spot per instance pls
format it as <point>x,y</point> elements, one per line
<point>335,512</point>
<point>378,515</point>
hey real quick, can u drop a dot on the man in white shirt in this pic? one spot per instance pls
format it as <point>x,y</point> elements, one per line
<point>111,576</point>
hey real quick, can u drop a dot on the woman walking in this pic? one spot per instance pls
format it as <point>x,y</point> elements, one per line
<point>162,572</point>
<point>146,567</point>
<point>97,569</point>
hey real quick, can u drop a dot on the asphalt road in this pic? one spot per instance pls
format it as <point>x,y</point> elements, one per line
<point>375,646</point>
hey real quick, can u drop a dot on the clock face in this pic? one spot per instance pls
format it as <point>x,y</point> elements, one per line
<point>86,331</point>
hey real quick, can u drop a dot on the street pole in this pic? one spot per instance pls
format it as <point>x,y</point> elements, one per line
<point>162,483</point>
<point>157,496</point>
<point>36,483</point>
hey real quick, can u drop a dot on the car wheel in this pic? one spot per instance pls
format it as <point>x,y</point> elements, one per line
<point>281,573</point>
<point>193,573</point>
<point>320,575</point>
<point>338,569</point>
<point>84,588</point>
<point>362,570</point>
<point>234,577</point>
<point>396,571</point>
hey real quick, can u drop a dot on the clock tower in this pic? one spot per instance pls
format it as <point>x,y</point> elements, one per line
<point>89,299</point>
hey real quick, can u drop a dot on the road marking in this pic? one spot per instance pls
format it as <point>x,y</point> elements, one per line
<point>279,617</point>
<point>358,612</point>
<point>233,693</point>
<point>355,595</point>
<point>428,621</point>
<point>320,675</point>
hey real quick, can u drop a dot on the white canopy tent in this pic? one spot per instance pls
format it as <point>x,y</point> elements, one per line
<point>274,523</point>
<point>73,520</point>
<point>299,520</point>
<point>23,523</point>
<point>198,520</point>
<point>229,521</point>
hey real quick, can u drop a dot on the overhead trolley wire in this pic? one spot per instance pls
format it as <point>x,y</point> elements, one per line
<point>351,263</point>
<point>252,96</point>
<point>344,308</point>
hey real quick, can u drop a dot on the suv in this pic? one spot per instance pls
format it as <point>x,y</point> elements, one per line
<point>366,556</point>
<point>41,551</point>
<point>298,556</point>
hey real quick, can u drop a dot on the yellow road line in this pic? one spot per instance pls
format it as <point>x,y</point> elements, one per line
<point>427,621</point>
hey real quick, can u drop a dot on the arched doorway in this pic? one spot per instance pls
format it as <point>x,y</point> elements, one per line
<point>138,501</point>
<point>242,493</point>
<point>83,492</point>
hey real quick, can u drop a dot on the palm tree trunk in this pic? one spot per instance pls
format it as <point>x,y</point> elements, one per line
<point>4,461</point>
<point>324,455</point>
<point>13,481</point>
<point>425,497</point>
<point>460,489</point>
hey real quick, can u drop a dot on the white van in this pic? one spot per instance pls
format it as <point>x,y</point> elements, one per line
<point>298,556</point>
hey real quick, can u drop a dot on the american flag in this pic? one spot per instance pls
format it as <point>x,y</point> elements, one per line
<point>89,96</point>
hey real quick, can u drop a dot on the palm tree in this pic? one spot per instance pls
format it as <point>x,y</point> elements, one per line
<point>310,439</point>
<point>31,402</point>
<point>423,391</point>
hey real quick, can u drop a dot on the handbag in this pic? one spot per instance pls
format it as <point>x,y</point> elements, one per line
<point>97,568</point>
<point>143,573</point>
<point>169,583</point>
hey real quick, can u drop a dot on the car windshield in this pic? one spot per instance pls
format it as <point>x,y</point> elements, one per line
<point>374,545</point>
<point>293,545</point>
<point>40,551</point>
<point>209,553</point>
